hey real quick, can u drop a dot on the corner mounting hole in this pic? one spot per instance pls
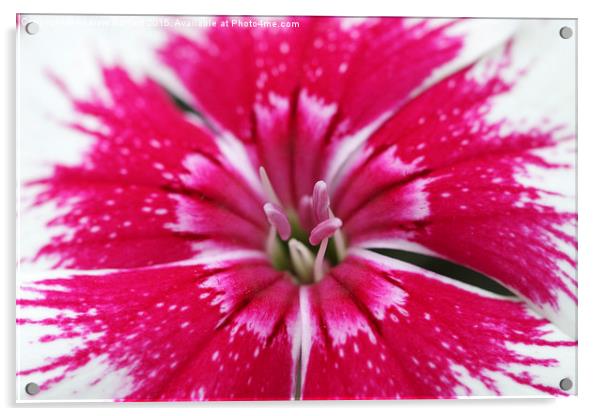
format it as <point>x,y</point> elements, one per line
<point>32,389</point>
<point>566,32</point>
<point>32,28</point>
<point>566,384</point>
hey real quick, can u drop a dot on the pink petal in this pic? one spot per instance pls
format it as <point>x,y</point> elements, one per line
<point>206,64</point>
<point>441,177</point>
<point>349,62</point>
<point>382,329</point>
<point>138,126</point>
<point>222,182</point>
<point>326,71</point>
<point>371,56</point>
<point>235,99</point>
<point>200,220</point>
<point>121,205</point>
<point>172,333</point>
<point>106,225</point>
<point>306,212</point>
<point>353,60</point>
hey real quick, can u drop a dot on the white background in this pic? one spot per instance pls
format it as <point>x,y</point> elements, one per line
<point>589,191</point>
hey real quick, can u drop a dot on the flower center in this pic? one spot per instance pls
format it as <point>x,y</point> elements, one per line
<point>305,241</point>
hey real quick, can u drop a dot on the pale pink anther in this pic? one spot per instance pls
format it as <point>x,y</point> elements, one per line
<point>268,189</point>
<point>325,229</point>
<point>278,219</point>
<point>321,201</point>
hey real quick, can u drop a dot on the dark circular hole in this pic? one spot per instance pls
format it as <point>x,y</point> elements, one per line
<point>566,32</point>
<point>32,389</point>
<point>566,384</point>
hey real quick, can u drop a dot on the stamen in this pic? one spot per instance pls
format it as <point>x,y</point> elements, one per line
<point>267,187</point>
<point>324,230</point>
<point>321,233</point>
<point>278,219</point>
<point>302,259</point>
<point>313,214</point>
<point>321,201</point>
<point>319,263</point>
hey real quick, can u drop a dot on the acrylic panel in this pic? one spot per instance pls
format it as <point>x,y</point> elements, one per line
<point>295,208</point>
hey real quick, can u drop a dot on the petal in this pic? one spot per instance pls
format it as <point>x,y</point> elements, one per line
<point>260,94</point>
<point>177,332</point>
<point>150,185</point>
<point>303,85</point>
<point>351,61</point>
<point>456,174</point>
<point>379,67</point>
<point>382,329</point>
<point>41,103</point>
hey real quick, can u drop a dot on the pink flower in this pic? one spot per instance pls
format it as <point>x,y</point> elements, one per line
<point>227,251</point>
